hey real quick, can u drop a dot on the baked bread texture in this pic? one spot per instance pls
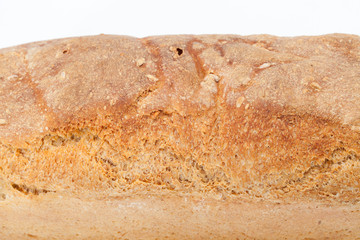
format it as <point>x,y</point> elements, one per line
<point>209,136</point>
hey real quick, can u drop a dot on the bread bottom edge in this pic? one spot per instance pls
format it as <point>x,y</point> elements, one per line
<point>149,216</point>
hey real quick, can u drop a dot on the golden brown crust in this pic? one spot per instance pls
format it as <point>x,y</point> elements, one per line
<point>258,116</point>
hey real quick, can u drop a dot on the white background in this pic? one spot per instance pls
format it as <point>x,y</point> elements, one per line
<point>33,20</point>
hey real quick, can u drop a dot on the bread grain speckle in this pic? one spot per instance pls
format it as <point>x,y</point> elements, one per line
<point>239,101</point>
<point>140,62</point>
<point>152,78</point>
<point>315,85</point>
<point>264,65</point>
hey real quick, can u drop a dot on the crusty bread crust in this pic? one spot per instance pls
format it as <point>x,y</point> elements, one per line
<point>258,117</point>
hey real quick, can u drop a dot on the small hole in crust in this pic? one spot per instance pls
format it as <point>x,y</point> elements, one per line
<point>179,51</point>
<point>65,51</point>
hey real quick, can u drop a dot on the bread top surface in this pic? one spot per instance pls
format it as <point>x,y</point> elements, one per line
<point>51,83</point>
<point>223,112</point>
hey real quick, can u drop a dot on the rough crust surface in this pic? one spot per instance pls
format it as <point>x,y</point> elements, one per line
<point>256,117</point>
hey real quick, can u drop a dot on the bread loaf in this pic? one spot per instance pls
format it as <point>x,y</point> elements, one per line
<point>210,136</point>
